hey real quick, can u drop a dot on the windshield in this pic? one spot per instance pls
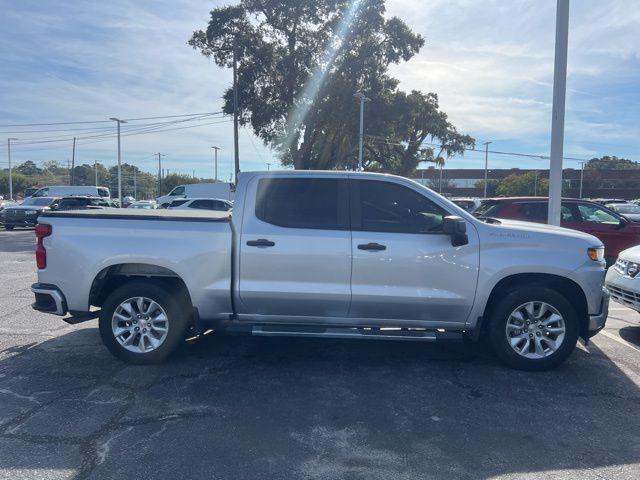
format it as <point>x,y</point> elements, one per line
<point>37,201</point>
<point>627,208</point>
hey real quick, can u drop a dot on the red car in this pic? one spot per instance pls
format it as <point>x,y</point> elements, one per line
<point>614,231</point>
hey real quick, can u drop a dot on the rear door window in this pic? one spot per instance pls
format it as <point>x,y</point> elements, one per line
<point>319,203</point>
<point>177,203</point>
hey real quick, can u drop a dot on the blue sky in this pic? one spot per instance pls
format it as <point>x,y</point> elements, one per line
<point>491,62</point>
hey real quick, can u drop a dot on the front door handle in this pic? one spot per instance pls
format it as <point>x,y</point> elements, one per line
<point>261,242</point>
<point>372,246</point>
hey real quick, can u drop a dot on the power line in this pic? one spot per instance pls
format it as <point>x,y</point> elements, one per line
<point>496,152</point>
<point>103,121</point>
<point>139,130</point>
<point>54,138</point>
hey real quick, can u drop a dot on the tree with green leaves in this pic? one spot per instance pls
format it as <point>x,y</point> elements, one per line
<point>611,163</point>
<point>300,63</point>
<point>526,184</point>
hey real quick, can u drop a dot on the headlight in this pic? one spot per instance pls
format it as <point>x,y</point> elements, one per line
<point>596,254</point>
<point>632,269</point>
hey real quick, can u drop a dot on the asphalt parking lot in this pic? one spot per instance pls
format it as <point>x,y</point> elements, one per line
<point>233,407</point>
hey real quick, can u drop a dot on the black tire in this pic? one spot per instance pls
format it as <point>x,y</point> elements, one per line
<point>9,227</point>
<point>499,316</point>
<point>177,321</point>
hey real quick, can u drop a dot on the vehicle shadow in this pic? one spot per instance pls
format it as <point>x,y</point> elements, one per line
<point>245,407</point>
<point>631,334</point>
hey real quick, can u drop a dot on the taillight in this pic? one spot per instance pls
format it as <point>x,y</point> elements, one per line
<point>42,230</point>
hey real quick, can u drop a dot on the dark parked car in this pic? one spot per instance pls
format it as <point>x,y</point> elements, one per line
<point>614,231</point>
<point>628,210</point>
<point>26,214</point>
<point>81,203</point>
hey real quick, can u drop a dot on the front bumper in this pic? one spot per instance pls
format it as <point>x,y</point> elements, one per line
<point>21,222</point>
<point>598,321</point>
<point>49,299</point>
<point>624,290</point>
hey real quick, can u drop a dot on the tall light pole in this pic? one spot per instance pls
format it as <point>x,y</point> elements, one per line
<point>557,117</point>
<point>268,166</point>
<point>236,154</point>
<point>486,166</point>
<point>95,168</point>
<point>118,121</point>
<point>10,174</point>
<point>215,159</point>
<point>581,175</point>
<point>362,98</point>
<point>160,155</point>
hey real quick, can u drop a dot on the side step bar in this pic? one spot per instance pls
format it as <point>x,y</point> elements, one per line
<point>413,335</point>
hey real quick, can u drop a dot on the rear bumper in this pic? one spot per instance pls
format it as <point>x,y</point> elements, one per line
<point>598,321</point>
<point>49,299</point>
<point>21,223</point>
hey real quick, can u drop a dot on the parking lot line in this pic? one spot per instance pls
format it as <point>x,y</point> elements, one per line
<point>619,340</point>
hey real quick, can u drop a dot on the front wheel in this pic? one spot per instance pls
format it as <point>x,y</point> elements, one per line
<point>142,323</point>
<point>9,227</point>
<point>533,328</point>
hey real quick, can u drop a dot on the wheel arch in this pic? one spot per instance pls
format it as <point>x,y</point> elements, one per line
<point>567,287</point>
<point>110,278</point>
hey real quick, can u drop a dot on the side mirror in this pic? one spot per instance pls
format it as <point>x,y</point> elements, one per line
<point>456,228</point>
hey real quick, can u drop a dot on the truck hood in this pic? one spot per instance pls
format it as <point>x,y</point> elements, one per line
<point>515,227</point>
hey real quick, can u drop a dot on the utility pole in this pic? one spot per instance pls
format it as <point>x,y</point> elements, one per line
<point>362,98</point>
<point>486,166</point>
<point>10,174</point>
<point>535,183</point>
<point>440,182</point>
<point>95,169</point>
<point>160,172</point>
<point>236,154</point>
<point>119,161</point>
<point>557,118</point>
<point>73,162</point>
<point>581,175</point>
<point>268,166</point>
<point>135,185</point>
<point>215,159</point>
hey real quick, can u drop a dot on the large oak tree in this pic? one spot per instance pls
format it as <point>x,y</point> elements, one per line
<point>299,64</point>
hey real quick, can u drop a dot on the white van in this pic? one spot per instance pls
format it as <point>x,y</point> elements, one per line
<point>66,191</point>
<point>221,190</point>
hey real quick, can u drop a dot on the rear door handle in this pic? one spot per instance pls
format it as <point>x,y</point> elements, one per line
<point>261,242</point>
<point>371,246</point>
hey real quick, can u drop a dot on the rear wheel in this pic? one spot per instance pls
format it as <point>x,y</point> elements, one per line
<point>142,323</point>
<point>9,227</point>
<point>533,328</point>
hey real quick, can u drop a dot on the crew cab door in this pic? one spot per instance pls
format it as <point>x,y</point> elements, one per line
<point>295,248</point>
<point>404,266</point>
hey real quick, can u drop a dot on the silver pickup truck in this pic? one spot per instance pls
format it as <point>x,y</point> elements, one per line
<point>324,254</point>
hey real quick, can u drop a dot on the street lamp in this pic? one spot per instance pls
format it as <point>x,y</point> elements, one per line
<point>216,161</point>
<point>119,162</point>
<point>486,166</point>
<point>360,96</point>
<point>10,174</point>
